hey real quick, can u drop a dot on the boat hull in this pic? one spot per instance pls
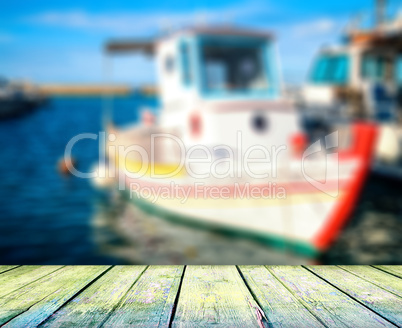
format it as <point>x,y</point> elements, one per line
<point>288,214</point>
<point>10,108</point>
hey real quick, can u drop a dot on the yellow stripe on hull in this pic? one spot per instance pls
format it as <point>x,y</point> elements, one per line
<point>170,170</point>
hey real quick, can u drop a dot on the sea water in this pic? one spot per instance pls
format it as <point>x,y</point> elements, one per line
<point>45,216</point>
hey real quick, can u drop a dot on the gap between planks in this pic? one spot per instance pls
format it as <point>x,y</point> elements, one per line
<point>6,268</point>
<point>350,296</point>
<point>176,300</point>
<point>77,293</point>
<point>387,269</point>
<point>297,298</point>
<point>393,285</point>
<point>122,298</point>
<point>20,316</point>
<point>266,316</point>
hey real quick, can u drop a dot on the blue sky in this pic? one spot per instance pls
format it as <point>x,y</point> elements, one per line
<point>60,41</point>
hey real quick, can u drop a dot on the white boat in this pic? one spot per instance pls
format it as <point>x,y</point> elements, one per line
<point>361,78</point>
<point>226,151</point>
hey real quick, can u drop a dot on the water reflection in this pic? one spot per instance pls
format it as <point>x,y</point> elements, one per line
<point>124,231</point>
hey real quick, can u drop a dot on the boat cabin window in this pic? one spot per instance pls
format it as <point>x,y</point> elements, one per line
<point>377,68</point>
<point>231,68</point>
<point>398,71</point>
<point>331,69</point>
<point>169,63</point>
<point>185,63</point>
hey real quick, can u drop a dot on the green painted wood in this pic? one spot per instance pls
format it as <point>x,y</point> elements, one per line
<point>281,307</point>
<point>5,268</point>
<point>209,295</point>
<point>149,303</point>
<point>215,296</point>
<point>93,306</point>
<point>331,306</point>
<point>22,276</point>
<point>32,304</point>
<point>372,296</point>
<point>376,277</point>
<point>393,269</point>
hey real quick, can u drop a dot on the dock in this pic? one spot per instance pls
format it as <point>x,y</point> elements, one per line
<point>200,296</point>
<point>84,89</point>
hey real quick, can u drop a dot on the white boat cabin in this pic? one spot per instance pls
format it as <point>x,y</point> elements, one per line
<point>361,78</point>
<point>216,81</point>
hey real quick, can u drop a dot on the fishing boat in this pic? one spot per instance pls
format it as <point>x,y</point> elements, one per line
<point>227,152</point>
<point>360,78</point>
<point>17,99</point>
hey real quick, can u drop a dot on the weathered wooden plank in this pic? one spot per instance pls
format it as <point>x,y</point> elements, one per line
<point>5,268</point>
<point>393,269</point>
<point>149,303</point>
<point>22,276</point>
<point>215,296</point>
<point>92,307</point>
<point>32,304</point>
<point>281,307</point>
<point>372,296</point>
<point>331,306</point>
<point>376,277</point>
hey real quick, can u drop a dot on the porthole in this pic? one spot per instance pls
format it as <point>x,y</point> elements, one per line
<point>259,123</point>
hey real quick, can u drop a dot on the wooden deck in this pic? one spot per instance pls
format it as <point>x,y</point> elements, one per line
<point>198,296</point>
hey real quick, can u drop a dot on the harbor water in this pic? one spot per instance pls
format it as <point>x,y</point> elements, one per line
<point>44,216</point>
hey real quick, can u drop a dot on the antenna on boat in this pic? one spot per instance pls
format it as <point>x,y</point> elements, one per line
<point>380,12</point>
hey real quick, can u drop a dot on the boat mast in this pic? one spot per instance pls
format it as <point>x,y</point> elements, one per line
<point>107,104</point>
<point>380,12</point>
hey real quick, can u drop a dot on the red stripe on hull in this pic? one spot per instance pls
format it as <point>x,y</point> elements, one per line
<point>364,135</point>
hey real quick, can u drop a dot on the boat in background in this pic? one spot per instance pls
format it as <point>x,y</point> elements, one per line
<point>17,98</point>
<point>361,79</point>
<point>228,152</point>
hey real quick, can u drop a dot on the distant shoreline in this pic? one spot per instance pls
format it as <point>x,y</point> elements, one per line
<point>92,89</point>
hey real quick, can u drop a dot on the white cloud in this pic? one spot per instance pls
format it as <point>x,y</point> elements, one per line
<point>135,22</point>
<point>316,27</point>
<point>300,41</point>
